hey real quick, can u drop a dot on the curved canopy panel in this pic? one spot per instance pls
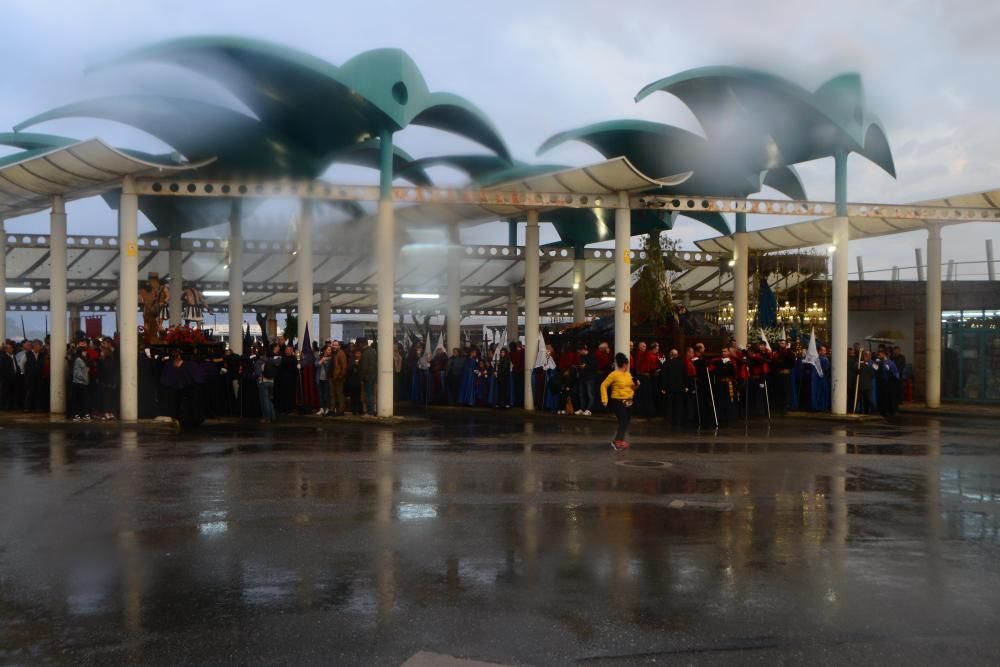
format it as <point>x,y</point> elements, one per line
<point>30,179</point>
<point>605,178</point>
<point>474,166</point>
<point>366,154</point>
<point>759,113</point>
<point>240,144</point>
<point>656,148</point>
<point>320,105</point>
<point>819,232</point>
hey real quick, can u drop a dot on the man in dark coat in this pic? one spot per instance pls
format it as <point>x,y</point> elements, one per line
<point>674,386</point>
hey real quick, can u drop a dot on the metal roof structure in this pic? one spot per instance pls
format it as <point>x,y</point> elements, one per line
<point>812,233</point>
<point>72,170</point>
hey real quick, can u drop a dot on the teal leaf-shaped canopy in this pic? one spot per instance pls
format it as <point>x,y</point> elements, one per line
<point>753,111</point>
<point>318,104</point>
<point>658,149</point>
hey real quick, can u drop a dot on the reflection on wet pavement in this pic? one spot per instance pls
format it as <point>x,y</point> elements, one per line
<point>502,540</point>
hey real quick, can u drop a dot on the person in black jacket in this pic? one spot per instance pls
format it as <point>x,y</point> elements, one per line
<point>8,377</point>
<point>674,387</point>
<point>34,384</point>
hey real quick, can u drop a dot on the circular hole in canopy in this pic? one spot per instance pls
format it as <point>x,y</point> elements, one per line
<point>400,93</point>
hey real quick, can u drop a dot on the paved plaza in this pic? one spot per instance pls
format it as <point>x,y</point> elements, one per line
<point>500,538</point>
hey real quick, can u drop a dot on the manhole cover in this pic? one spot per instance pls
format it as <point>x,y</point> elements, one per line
<point>637,463</point>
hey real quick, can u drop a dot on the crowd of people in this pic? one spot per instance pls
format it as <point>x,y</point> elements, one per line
<point>92,377</point>
<point>279,378</point>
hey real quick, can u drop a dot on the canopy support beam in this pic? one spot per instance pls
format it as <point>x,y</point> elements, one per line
<point>57,307</point>
<point>531,300</point>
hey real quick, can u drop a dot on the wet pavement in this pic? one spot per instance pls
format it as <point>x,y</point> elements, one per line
<point>497,538</point>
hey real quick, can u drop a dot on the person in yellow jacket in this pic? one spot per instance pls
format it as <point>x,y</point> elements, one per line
<point>622,391</point>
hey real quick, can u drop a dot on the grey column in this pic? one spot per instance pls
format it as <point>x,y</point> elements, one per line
<point>304,268</point>
<point>623,275</point>
<point>128,295</point>
<point>57,307</point>
<point>531,287</point>
<point>74,320</point>
<point>236,279</point>
<point>511,314</point>
<point>176,268</point>
<point>324,315</point>
<point>579,286</point>
<point>3,282</point>
<point>453,336</point>
<point>932,324</point>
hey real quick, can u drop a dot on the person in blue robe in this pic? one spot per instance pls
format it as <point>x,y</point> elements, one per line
<point>467,389</point>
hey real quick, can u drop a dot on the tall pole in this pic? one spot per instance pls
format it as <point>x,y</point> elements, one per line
<point>990,269</point>
<point>531,286</point>
<point>453,336</point>
<point>128,297</point>
<point>3,281</point>
<point>579,285</point>
<point>236,277</point>
<point>623,274</point>
<point>324,314</point>
<point>511,314</point>
<point>741,280</point>
<point>304,268</point>
<point>385,262</point>
<point>861,269</point>
<point>57,307</point>
<point>841,258</point>
<point>920,263</point>
<point>932,325</point>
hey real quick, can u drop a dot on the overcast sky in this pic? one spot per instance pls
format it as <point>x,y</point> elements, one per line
<point>537,68</point>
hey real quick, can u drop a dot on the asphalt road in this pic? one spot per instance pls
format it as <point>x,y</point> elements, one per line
<point>493,537</point>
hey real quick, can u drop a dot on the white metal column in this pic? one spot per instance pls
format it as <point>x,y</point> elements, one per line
<point>74,320</point>
<point>741,295</point>
<point>838,339</point>
<point>57,307</point>
<point>128,297</point>
<point>579,288</point>
<point>176,260</point>
<point>385,260</point>
<point>511,314</point>
<point>324,315</point>
<point>932,326</point>
<point>236,280</point>
<point>453,336</point>
<point>531,287</point>
<point>623,274</point>
<point>304,268</point>
<point>3,281</point>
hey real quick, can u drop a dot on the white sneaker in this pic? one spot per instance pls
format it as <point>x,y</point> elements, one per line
<point>586,413</point>
<point>578,412</point>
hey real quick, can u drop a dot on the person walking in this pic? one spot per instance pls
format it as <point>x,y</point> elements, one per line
<point>622,387</point>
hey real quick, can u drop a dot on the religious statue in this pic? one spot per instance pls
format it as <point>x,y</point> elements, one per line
<point>194,306</point>
<point>155,300</point>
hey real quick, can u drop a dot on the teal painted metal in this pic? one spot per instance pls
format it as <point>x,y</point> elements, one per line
<point>759,113</point>
<point>385,165</point>
<point>307,114</point>
<point>512,232</point>
<point>840,182</point>
<point>317,103</point>
<point>659,150</point>
<point>741,223</point>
